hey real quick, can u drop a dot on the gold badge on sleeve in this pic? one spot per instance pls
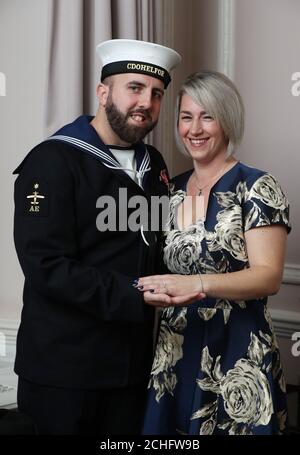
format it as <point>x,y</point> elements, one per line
<point>35,196</point>
<point>36,200</point>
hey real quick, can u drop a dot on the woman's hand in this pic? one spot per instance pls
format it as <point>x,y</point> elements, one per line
<point>172,285</point>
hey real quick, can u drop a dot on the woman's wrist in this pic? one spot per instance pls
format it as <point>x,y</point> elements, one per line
<point>200,282</point>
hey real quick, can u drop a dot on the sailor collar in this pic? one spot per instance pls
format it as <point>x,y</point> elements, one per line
<point>85,138</point>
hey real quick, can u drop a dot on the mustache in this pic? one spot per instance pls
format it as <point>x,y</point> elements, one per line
<point>144,112</point>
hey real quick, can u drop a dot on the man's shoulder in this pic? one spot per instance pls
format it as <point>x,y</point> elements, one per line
<point>46,153</point>
<point>152,150</point>
<point>155,156</point>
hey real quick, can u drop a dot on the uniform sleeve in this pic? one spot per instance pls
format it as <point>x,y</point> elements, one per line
<point>265,204</point>
<point>46,240</point>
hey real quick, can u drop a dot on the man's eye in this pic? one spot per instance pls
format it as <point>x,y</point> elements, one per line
<point>158,95</point>
<point>134,88</point>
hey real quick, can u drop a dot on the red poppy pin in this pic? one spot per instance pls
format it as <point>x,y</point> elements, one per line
<point>163,177</point>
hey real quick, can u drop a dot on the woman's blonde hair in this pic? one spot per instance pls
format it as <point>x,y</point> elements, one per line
<point>219,97</point>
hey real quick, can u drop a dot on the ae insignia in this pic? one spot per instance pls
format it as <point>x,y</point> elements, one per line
<point>36,200</point>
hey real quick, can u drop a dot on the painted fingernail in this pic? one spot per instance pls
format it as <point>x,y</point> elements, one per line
<point>136,280</point>
<point>152,290</point>
<point>140,287</point>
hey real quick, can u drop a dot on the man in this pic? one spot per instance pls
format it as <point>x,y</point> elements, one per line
<point>84,346</point>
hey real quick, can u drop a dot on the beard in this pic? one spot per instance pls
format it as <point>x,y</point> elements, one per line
<point>119,123</point>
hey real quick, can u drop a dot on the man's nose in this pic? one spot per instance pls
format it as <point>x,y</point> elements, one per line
<point>145,99</point>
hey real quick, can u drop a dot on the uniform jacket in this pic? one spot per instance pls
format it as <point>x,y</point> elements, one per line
<point>83,325</point>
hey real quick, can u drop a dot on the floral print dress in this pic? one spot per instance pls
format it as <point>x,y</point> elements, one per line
<point>217,366</point>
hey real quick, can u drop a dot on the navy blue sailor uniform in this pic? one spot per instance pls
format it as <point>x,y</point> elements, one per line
<point>83,325</point>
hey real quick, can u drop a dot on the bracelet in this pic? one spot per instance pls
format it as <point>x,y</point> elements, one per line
<point>201,281</point>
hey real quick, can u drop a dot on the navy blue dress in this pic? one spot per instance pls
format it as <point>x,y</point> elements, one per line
<point>217,366</point>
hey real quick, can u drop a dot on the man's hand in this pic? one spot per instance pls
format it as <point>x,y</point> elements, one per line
<point>164,300</point>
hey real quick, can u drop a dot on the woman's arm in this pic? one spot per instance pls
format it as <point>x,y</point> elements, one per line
<point>266,251</point>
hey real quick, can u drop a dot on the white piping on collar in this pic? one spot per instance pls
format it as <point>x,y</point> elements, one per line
<point>114,164</point>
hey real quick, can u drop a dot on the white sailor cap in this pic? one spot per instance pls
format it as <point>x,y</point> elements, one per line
<point>133,56</point>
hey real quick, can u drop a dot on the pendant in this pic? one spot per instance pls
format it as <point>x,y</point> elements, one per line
<point>200,192</point>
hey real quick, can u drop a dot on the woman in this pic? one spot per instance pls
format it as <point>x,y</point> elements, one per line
<point>217,368</point>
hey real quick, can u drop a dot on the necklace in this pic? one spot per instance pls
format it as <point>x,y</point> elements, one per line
<point>200,189</point>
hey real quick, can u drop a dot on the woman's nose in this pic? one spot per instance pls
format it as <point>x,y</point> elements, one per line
<point>196,127</point>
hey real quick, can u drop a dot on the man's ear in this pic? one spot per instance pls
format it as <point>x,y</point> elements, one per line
<point>102,93</point>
